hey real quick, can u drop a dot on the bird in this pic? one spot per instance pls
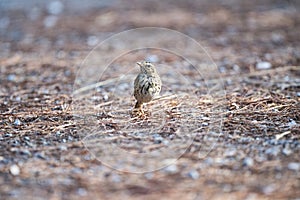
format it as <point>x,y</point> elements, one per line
<point>147,85</point>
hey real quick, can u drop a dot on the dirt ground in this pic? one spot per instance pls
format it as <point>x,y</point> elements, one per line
<point>234,132</point>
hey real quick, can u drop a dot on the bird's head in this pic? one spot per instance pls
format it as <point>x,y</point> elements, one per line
<point>147,67</point>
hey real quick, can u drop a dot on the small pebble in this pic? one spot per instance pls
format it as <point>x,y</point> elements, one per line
<point>208,161</point>
<point>16,142</point>
<point>105,97</point>
<point>269,189</point>
<point>18,98</point>
<point>248,162</point>
<point>67,73</point>
<point>11,77</point>
<point>63,147</point>
<point>263,65</point>
<point>76,170</point>
<point>17,122</point>
<point>236,68</point>
<point>294,166</point>
<point>41,155</point>
<point>8,135</point>
<point>204,124</point>
<point>171,169</point>
<point>92,40</point>
<point>157,138</point>
<point>70,138</point>
<point>292,123</point>
<point>277,38</point>
<point>116,178</point>
<point>55,7</point>
<point>27,138</point>
<point>25,152</point>
<point>274,151</point>
<point>222,69</point>
<point>45,142</point>
<point>165,142</point>
<point>193,174</point>
<point>148,175</point>
<point>81,192</point>
<point>197,84</point>
<point>14,170</point>
<point>205,118</point>
<point>50,21</point>
<point>95,98</point>
<point>230,152</point>
<point>287,151</point>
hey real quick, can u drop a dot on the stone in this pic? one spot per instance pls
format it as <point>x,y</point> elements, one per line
<point>14,170</point>
<point>263,65</point>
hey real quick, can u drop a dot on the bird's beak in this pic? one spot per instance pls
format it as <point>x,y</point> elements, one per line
<point>139,64</point>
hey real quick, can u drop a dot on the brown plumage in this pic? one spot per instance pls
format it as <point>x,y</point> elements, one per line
<point>146,85</point>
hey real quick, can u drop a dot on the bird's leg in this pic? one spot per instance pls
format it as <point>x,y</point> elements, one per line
<point>138,105</point>
<point>138,109</point>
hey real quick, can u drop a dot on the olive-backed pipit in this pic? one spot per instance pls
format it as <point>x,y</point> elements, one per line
<point>146,85</point>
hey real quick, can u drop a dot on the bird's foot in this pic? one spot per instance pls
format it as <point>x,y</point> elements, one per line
<point>139,113</point>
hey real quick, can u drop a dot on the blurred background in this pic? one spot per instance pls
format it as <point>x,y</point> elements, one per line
<point>236,33</point>
<point>256,47</point>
